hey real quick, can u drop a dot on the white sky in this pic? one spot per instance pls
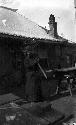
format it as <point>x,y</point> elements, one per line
<point>40,10</point>
<point>40,3</point>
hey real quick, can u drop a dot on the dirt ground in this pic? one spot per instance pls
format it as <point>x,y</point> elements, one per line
<point>63,103</point>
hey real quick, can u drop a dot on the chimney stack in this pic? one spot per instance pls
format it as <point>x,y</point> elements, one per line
<point>52,26</point>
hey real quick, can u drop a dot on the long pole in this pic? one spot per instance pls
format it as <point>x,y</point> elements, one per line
<point>42,71</point>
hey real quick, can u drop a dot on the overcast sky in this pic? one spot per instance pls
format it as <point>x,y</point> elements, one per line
<point>40,10</point>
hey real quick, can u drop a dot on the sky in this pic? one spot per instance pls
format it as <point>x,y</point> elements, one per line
<point>40,10</point>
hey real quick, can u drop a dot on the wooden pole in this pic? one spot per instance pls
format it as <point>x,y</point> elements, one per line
<point>42,71</point>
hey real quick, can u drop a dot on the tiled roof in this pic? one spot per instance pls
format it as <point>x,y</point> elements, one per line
<point>13,23</point>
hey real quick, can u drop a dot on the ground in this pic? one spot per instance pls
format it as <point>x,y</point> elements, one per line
<point>62,105</point>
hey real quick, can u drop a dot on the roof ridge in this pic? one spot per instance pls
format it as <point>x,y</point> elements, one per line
<point>4,7</point>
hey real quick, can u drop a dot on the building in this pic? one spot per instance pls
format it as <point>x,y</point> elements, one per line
<point>21,42</point>
<point>61,52</point>
<point>17,36</point>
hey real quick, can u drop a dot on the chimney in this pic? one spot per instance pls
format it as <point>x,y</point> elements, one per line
<point>52,26</point>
